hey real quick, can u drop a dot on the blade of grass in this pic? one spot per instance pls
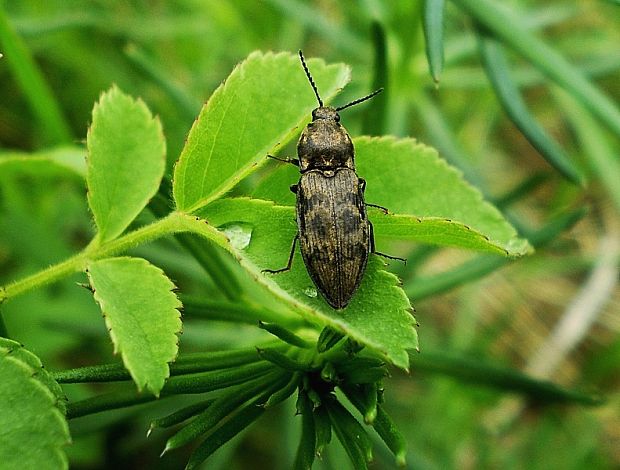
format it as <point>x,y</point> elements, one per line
<point>475,371</point>
<point>497,69</point>
<point>375,116</point>
<point>432,21</point>
<point>41,100</point>
<point>480,266</point>
<point>510,29</point>
<point>601,155</point>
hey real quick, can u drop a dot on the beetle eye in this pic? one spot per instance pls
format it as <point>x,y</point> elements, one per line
<point>337,118</point>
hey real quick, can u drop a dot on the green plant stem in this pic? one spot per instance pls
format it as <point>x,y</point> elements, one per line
<point>203,252</point>
<point>175,222</point>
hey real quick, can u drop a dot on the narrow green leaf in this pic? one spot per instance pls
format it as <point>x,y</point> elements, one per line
<point>282,360</point>
<point>469,369</point>
<point>141,313</point>
<point>306,450</point>
<point>383,424</point>
<point>351,434</point>
<point>179,416</point>
<point>469,271</point>
<point>126,161</point>
<point>192,383</point>
<point>323,429</point>
<point>376,110</point>
<point>185,364</point>
<point>45,107</point>
<point>221,407</point>
<point>510,29</point>
<point>34,430</point>
<point>602,157</point>
<point>285,335</point>
<point>390,434</point>
<point>284,392</point>
<point>328,339</point>
<point>242,418</point>
<point>379,295</point>
<point>497,69</point>
<point>259,106</point>
<point>432,21</point>
<point>225,433</point>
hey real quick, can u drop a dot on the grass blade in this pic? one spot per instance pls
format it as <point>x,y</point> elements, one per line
<point>496,67</point>
<point>432,22</point>
<point>36,90</point>
<point>510,29</point>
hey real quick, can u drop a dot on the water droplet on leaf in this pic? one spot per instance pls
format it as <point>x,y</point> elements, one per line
<point>239,234</point>
<point>311,292</point>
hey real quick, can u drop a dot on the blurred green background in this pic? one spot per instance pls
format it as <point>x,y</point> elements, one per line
<point>554,315</point>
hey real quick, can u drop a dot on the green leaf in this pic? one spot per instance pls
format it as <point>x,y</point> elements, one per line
<point>141,313</point>
<point>306,450</point>
<point>409,178</point>
<point>432,202</point>
<point>17,351</point>
<point>259,106</point>
<point>497,69</point>
<point>379,296</point>
<point>126,161</point>
<point>34,430</point>
<point>432,21</point>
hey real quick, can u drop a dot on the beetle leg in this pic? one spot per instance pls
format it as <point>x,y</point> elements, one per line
<point>362,183</point>
<point>385,211</point>
<point>293,161</point>
<point>372,246</point>
<point>293,188</point>
<point>290,259</point>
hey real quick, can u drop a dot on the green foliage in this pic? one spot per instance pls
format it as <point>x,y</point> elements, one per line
<point>126,158</point>
<point>143,322</point>
<point>244,120</point>
<point>34,431</point>
<point>260,339</point>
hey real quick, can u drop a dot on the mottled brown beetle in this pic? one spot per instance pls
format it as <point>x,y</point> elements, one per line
<point>333,229</point>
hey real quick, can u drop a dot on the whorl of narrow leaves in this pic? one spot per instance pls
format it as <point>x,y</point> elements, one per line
<point>141,313</point>
<point>33,430</point>
<point>126,161</point>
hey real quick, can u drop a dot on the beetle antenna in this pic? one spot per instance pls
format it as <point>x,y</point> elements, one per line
<point>359,100</point>
<point>316,91</point>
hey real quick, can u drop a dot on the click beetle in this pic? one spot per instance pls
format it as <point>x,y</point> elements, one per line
<point>334,232</point>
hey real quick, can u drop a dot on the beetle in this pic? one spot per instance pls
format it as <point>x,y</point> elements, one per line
<point>334,232</point>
